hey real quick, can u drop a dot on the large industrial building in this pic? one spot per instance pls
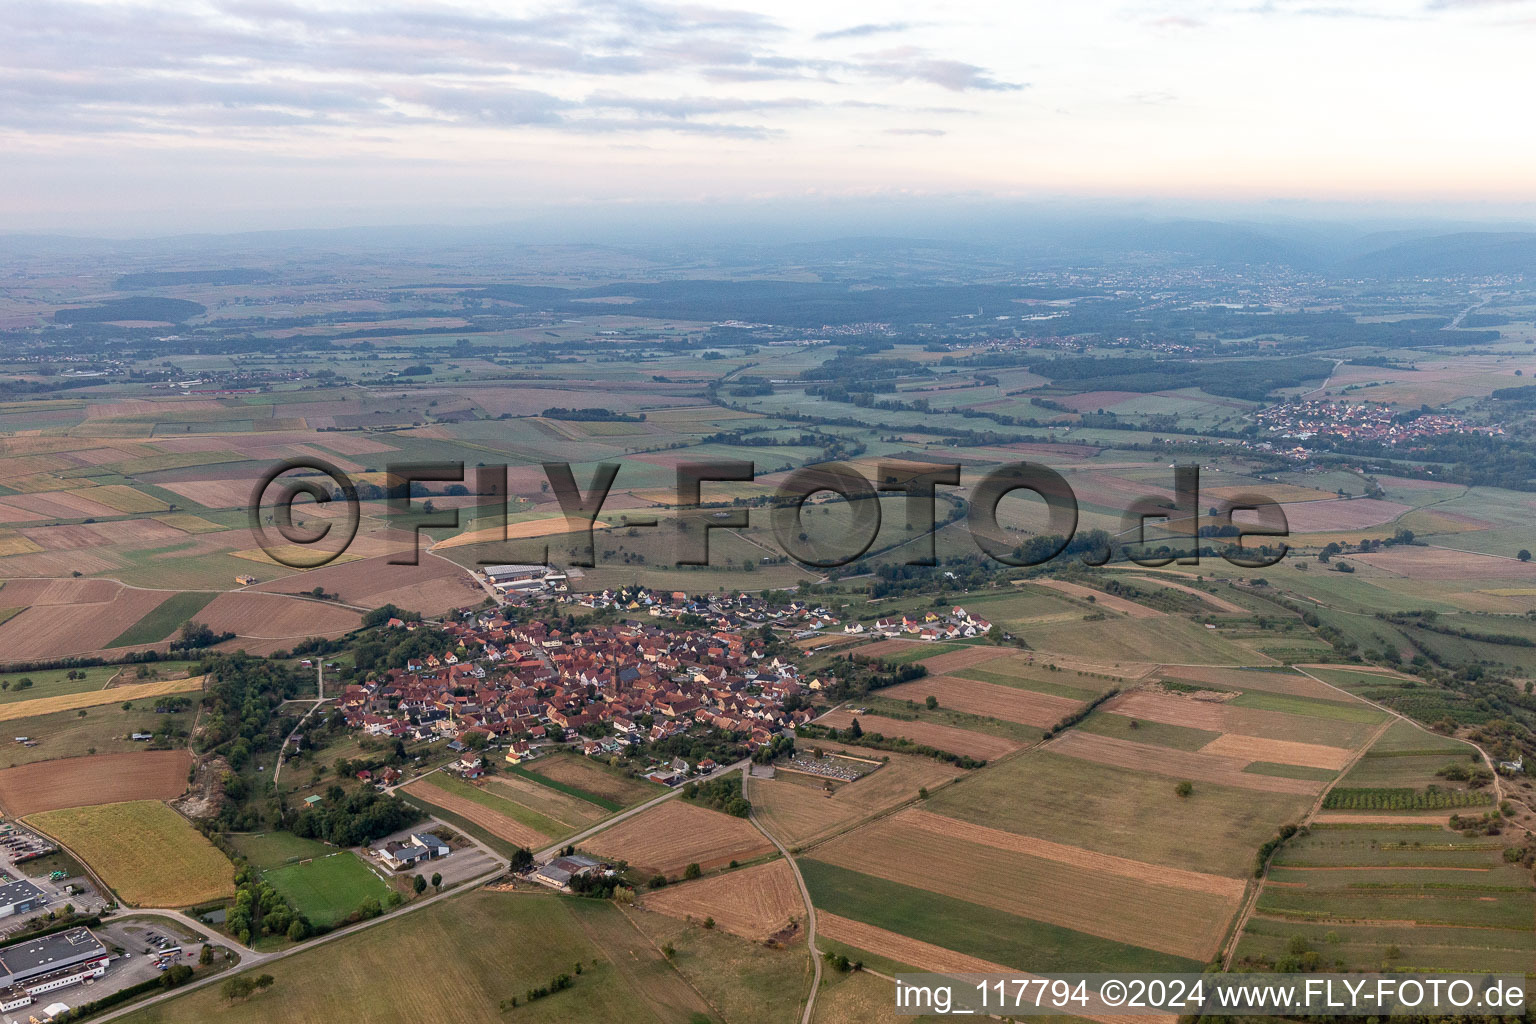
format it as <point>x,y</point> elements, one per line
<point>35,966</point>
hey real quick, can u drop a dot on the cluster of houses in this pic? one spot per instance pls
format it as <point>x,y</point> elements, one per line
<point>723,611</point>
<point>523,685</point>
<point>957,625</point>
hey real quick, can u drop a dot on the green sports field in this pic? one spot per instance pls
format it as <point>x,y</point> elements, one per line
<point>328,889</point>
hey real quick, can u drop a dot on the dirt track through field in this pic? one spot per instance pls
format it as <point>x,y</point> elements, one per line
<point>1175,764</point>
<point>1115,604</point>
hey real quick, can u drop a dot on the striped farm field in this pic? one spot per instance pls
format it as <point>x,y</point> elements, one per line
<point>166,863</point>
<point>1181,921</point>
<point>942,737</point>
<point>1230,890</point>
<point>100,778</point>
<point>1228,716</point>
<point>1119,810</point>
<point>904,951</point>
<point>988,700</point>
<point>978,930</point>
<point>752,902</point>
<point>96,698</point>
<point>667,838</point>
<point>497,823</point>
<point>1174,764</point>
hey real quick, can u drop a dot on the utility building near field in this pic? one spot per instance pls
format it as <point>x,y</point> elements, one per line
<point>19,897</point>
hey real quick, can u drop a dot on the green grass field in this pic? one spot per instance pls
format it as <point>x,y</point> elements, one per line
<point>455,962</point>
<point>329,888</point>
<point>1179,737</point>
<point>54,682</point>
<point>562,787</point>
<point>267,850</point>
<point>103,730</point>
<point>975,930</point>
<point>164,620</point>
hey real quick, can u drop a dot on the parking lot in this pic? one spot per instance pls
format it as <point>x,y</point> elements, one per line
<point>26,855</point>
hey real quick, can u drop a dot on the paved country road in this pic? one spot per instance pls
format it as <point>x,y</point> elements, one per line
<point>251,958</point>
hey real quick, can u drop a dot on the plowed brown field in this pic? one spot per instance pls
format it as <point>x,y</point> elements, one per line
<point>100,779</point>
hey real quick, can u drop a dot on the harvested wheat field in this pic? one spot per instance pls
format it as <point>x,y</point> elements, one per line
<point>799,811</point>
<point>968,657</point>
<point>1254,748</point>
<point>667,838</point>
<point>753,902</point>
<point>1115,604</point>
<point>1175,764</point>
<point>96,698</point>
<point>274,617</point>
<point>987,699</point>
<point>167,862</point>
<point>102,778</point>
<point>497,824</point>
<point>1405,818</point>
<point>943,737</point>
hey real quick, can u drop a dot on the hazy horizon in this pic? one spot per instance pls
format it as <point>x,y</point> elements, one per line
<point>234,115</point>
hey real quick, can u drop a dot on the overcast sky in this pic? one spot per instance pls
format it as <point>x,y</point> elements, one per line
<point>233,114</point>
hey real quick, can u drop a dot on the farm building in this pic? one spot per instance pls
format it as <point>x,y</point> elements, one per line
<point>19,897</point>
<point>557,874</point>
<point>30,968</point>
<point>419,846</point>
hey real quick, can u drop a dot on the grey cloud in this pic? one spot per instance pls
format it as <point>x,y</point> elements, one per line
<point>863,31</point>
